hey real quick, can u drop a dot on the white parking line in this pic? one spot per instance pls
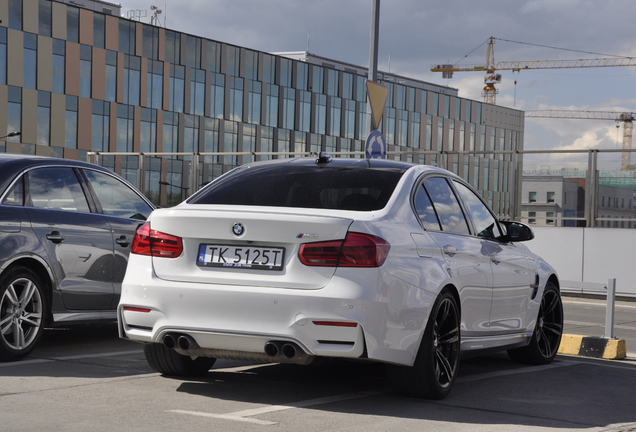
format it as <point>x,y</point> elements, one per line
<point>64,358</point>
<point>598,303</point>
<point>588,324</point>
<point>244,415</point>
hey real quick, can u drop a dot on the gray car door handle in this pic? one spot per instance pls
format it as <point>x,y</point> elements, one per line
<point>122,241</point>
<point>450,250</point>
<point>55,237</point>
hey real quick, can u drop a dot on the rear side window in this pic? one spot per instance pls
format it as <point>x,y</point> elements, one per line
<point>116,198</point>
<point>56,188</point>
<point>320,187</point>
<point>450,215</point>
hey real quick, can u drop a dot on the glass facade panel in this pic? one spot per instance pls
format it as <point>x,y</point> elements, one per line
<point>217,95</point>
<point>285,72</point>
<point>30,60</point>
<point>44,17</point>
<point>150,46</point>
<point>132,80</point>
<point>72,24</point>
<point>272,106</point>
<point>170,131</point>
<point>254,109</point>
<point>44,118</point>
<point>302,76</point>
<point>100,131</point>
<point>111,76</point>
<point>197,92</point>
<point>177,88</point>
<point>193,53</point>
<point>15,14</point>
<point>251,65</point>
<point>154,82</point>
<point>173,47</point>
<point>233,61</point>
<point>125,117</point>
<point>335,116</point>
<point>71,122</point>
<point>269,68</point>
<point>148,130</point>
<point>99,29</point>
<point>289,105</point>
<point>213,56</point>
<point>86,54</point>
<point>127,37</point>
<point>3,55</point>
<point>236,99</point>
<point>320,117</point>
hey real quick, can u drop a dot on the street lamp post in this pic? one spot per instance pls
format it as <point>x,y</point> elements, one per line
<point>11,134</point>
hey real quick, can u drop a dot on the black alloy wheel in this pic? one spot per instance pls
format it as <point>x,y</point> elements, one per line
<point>433,374</point>
<point>544,345</point>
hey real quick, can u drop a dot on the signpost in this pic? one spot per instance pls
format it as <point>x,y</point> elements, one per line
<point>375,147</point>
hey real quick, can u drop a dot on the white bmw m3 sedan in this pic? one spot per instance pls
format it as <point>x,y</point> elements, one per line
<point>370,260</point>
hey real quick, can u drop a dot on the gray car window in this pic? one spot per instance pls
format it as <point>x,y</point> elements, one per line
<point>56,188</point>
<point>116,198</point>
<point>425,210</point>
<point>484,222</point>
<point>446,205</point>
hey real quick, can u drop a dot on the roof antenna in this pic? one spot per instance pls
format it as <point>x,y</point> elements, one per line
<point>323,157</point>
<point>307,41</point>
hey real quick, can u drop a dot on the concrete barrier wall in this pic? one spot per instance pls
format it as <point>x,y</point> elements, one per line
<point>589,254</point>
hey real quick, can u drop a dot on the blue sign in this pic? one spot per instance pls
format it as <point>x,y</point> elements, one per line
<point>375,147</point>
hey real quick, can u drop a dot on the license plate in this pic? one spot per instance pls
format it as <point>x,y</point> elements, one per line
<point>244,257</point>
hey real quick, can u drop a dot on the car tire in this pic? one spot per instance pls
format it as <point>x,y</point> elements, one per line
<point>22,311</point>
<point>169,362</point>
<point>435,368</point>
<point>548,329</point>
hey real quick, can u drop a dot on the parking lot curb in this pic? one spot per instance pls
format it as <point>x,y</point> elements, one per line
<point>591,346</point>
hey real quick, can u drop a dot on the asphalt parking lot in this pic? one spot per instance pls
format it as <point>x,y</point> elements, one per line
<point>88,379</point>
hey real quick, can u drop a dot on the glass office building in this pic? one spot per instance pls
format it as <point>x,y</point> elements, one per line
<point>80,81</point>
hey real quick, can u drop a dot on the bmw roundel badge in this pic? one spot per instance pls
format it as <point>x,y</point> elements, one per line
<point>238,229</point>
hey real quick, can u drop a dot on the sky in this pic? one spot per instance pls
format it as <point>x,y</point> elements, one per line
<point>415,34</point>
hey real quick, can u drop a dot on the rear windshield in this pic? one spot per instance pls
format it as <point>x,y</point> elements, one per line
<point>342,188</point>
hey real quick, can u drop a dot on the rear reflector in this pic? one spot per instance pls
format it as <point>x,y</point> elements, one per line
<point>136,309</point>
<point>357,250</point>
<point>154,243</point>
<point>335,323</point>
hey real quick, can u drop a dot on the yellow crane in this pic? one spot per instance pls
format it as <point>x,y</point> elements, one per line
<point>627,118</point>
<point>489,92</point>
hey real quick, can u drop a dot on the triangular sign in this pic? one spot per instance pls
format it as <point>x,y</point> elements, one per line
<point>377,97</point>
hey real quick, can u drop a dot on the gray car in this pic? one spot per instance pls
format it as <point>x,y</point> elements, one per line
<point>65,234</point>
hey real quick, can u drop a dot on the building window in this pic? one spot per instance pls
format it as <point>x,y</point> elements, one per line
<point>132,79</point>
<point>173,47</point>
<point>3,55</point>
<point>99,29</point>
<point>85,70</point>
<point>211,143</point>
<point>272,106</point>
<point>30,60</point>
<point>289,103</point>
<point>193,54</point>
<point>254,101</point>
<point>125,122</point>
<point>217,95</point>
<point>233,61</point>
<point>361,88</point>
<point>285,72</point>
<point>72,24</point>
<point>332,82</point>
<point>71,122</point>
<point>440,133</point>
<point>191,133</point>
<point>14,115</point>
<point>148,130</point>
<point>251,65</point>
<point>230,143</point>
<point>402,128</point>
<point>249,142</point>
<point>214,56</point>
<point>100,131</point>
<point>15,14</point>
<point>267,142</point>
<point>111,76</point>
<point>177,87</point>
<point>320,115</point>
<point>349,119</point>
<point>362,120</point>
<point>154,91</point>
<point>127,35</point>
<point>414,135</point>
<point>44,16</point>
<point>197,92</point>
<point>531,217</point>
<point>170,131</point>
<point>150,37</point>
<point>44,118</point>
<point>335,116</point>
<point>550,197</point>
<point>317,79</point>
<point>549,216</point>
<point>236,99</point>
<point>269,68</point>
<point>284,141</point>
<point>532,197</point>
<point>302,76</point>
<point>451,134</point>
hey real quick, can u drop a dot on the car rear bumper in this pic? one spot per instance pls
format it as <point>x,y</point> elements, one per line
<point>345,319</point>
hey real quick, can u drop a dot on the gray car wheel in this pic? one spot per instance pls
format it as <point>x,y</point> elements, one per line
<point>22,309</point>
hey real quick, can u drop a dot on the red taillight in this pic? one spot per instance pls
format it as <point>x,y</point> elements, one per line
<point>154,243</point>
<point>357,250</point>
<point>136,309</point>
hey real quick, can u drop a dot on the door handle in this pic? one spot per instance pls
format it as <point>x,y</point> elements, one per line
<point>122,241</point>
<point>450,250</point>
<point>55,237</point>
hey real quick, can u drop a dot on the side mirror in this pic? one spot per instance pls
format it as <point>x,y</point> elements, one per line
<point>516,231</point>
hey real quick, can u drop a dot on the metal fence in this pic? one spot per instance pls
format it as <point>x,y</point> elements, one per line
<point>588,168</point>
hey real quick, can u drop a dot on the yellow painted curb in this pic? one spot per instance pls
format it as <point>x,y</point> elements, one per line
<point>592,346</point>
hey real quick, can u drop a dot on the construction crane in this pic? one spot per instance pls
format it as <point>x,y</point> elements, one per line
<point>627,118</point>
<point>489,92</point>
